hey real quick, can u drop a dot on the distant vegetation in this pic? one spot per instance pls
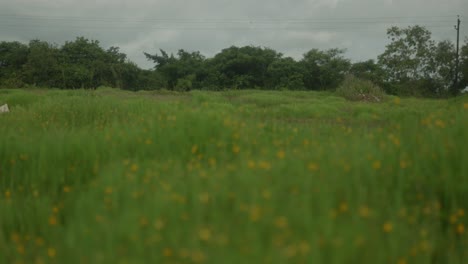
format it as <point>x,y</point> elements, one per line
<point>412,64</point>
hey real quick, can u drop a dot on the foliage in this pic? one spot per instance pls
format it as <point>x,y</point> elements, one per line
<point>408,56</point>
<point>180,72</point>
<point>413,64</point>
<point>464,65</point>
<point>368,70</point>
<point>324,69</point>
<point>355,89</point>
<point>13,55</point>
<point>285,73</point>
<point>81,63</point>
<point>243,68</point>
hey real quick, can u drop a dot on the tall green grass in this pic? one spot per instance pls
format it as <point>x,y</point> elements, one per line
<point>109,176</point>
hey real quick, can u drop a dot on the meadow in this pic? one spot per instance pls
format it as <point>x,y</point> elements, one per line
<point>109,176</point>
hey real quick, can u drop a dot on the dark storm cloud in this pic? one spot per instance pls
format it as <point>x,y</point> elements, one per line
<point>291,27</point>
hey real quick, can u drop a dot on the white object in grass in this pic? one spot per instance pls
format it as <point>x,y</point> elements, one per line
<point>4,109</point>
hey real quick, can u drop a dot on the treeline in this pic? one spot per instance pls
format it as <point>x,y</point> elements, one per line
<point>81,63</point>
<point>412,64</point>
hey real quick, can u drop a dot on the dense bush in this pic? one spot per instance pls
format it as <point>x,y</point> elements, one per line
<point>355,89</point>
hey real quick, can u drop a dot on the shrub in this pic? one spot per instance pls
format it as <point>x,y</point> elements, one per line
<point>185,84</point>
<point>12,83</point>
<point>355,89</point>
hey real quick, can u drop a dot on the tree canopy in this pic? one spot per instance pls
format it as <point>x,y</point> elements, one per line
<point>412,64</point>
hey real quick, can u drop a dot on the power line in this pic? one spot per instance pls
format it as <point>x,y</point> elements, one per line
<point>221,20</point>
<point>187,24</point>
<point>214,27</point>
<point>350,24</point>
<point>357,24</point>
<point>307,23</point>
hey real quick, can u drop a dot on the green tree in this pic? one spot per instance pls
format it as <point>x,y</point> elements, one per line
<point>443,66</point>
<point>464,65</point>
<point>181,70</point>
<point>150,80</point>
<point>42,67</point>
<point>110,69</point>
<point>324,69</point>
<point>409,55</point>
<point>285,73</point>
<point>368,70</point>
<point>82,63</point>
<point>415,64</point>
<point>13,56</point>
<point>245,67</point>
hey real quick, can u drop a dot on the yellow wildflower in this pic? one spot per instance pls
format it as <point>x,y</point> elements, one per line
<point>20,249</point>
<point>194,149</point>
<point>134,168</point>
<point>440,123</point>
<point>264,165</point>
<point>281,222</point>
<point>198,257</point>
<point>281,154</point>
<point>167,252</point>
<point>52,220</point>
<point>143,221</point>
<point>212,162</point>
<point>313,166</point>
<point>364,211</point>
<point>425,246</point>
<point>343,207</point>
<point>204,197</point>
<point>235,149</point>
<point>109,190</point>
<point>204,234</point>
<point>377,165</point>
<point>453,219</point>
<point>99,218</point>
<point>66,189</point>
<point>15,238</point>
<point>460,229</point>
<point>39,241</point>
<point>159,224</point>
<point>304,247</point>
<point>255,213</point>
<point>403,164</point>
<point>402,261</point>
<point>387,227</point>
<point>51,252</point>
<point>291,251</point>
<point>184,253</point>
<point>266,194</point>
<point>359,241</point>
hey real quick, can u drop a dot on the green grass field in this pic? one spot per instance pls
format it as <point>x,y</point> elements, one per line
<point>109,176</point>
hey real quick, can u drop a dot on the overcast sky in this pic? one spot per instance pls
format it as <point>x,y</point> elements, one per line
<point>291,27</point>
